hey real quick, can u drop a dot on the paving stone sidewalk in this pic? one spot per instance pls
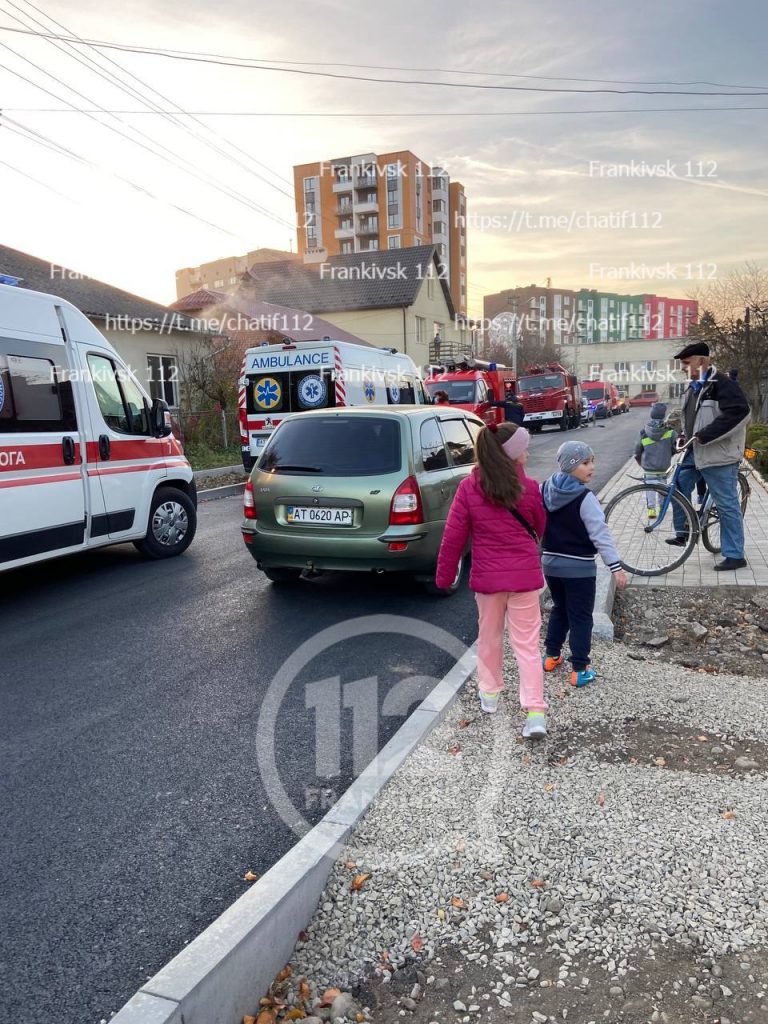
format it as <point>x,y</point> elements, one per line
<point>699,570</point>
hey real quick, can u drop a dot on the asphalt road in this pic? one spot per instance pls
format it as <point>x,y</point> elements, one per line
<point>130,693</point>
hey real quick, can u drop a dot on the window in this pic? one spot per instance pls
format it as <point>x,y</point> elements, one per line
<point>373,245</point>
<point>439,206</point>
<point>163,379</point>
<point>430,285</point>
<point>337,446</point>
<point>234,280</point>
<point>393,220</point>
<point>32,398</point>
<point>433,453</point>
<point>347,247</point>
<point>622,367</point>
<point>458,441</point>
<point>677,389</point>
<point>219,283</point>
<point>393,242</point>
<point>421,330</point>
<point>122,404</point>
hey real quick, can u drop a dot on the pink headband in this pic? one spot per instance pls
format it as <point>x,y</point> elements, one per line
<point>514,446</point>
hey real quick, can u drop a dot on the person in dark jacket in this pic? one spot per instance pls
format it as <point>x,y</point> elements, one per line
<point>513,409</point>
<point>715,415</point>
<point>653,452</point>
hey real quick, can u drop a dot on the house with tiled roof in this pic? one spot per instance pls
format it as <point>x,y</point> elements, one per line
<point>396,298</point>
<point>151,338</point>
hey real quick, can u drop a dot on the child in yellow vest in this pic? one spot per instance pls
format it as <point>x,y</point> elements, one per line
<point>653,452</point>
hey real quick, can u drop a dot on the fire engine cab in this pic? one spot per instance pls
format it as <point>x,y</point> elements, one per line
<point>550,394</point>
<point>85,458</point>
<point>475,385</point>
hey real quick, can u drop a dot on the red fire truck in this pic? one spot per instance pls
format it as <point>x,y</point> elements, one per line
<point>549,394</point>
<point>474,384</point>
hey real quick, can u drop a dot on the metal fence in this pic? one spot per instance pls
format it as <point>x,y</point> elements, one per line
<point>212,428</point>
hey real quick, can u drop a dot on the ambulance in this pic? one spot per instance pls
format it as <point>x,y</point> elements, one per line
<point>86,459</point>
<point>296,376</point>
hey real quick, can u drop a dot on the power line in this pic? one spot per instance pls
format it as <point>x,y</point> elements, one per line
<point>251,64</point>
<point>172,115</point>
<point>16,128</point>
<point>389,114</point>
<point>158,147</point>
<point>37,181</point>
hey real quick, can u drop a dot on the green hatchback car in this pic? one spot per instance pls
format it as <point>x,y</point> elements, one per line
<point>358,489</point>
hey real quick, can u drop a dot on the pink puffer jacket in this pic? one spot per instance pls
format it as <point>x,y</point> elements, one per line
<point>504,556</point>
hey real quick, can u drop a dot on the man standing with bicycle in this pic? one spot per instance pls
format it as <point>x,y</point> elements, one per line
<point>715,416</point>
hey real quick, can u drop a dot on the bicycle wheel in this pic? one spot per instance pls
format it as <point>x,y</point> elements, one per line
<point>641,539</point>
<point>710,533</point>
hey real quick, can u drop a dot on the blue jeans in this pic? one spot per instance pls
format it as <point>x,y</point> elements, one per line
<point>723,485</point>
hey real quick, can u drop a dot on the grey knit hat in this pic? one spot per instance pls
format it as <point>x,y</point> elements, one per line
<point>572,454</point>
<point>658,411</point>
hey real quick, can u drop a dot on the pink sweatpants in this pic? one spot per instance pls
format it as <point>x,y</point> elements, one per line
<point>523,616</point>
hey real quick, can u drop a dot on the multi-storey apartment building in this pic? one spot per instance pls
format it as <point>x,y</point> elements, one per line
<point>587,316</point>
<point>225,274</point>
<point>369,201</point>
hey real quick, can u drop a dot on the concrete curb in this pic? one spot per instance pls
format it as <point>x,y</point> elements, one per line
<point>221,471</point>
<point>606,584</point>
<point>220,492</point>
<point>221,975</point>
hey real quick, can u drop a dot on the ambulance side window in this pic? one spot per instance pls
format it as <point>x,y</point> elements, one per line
<point>33,398</point>
<point>120,401</point>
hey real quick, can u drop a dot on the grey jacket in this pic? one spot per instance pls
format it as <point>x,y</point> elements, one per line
<point>716,414</point>
<point>655,446</point>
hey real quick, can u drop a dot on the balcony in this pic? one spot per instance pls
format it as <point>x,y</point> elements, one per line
<point>366,181</point>
<point>342,185</point>
<point>348,232</point>
<point>344,209</point>
<point>369,206</point>
<point>368,227</point>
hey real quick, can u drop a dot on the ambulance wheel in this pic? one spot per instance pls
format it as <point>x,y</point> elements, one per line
<point>172,524</point>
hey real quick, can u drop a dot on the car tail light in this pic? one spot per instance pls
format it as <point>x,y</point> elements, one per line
<point>249,505</point>
<point>406,509</point>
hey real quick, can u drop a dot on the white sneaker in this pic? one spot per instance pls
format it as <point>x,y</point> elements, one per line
<point>489,701</point>
<point>535,726</point>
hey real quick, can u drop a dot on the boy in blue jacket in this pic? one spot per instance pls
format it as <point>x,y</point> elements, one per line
<point>575,533</point>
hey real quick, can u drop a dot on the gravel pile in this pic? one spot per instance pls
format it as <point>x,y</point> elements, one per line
<point>627,849</point>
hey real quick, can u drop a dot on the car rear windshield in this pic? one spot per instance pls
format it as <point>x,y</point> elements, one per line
<point>334,446</point>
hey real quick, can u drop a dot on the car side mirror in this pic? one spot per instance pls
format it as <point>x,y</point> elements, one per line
<point>160,418</point>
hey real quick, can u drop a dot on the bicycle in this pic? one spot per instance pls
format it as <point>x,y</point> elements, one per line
<point>638,526</point>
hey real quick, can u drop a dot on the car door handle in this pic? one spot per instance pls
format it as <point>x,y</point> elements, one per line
<point>104,447</point>
<point>68,450</point>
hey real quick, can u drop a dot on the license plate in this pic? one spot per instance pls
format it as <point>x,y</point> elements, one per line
<point>319,515</point>
<point>534,416</point>
<point>257,441</point>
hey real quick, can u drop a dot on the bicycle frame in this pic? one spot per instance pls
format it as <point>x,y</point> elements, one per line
<point>671,487</point>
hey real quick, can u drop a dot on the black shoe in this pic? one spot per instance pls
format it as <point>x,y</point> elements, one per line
<point>677,542</point>
<point>729,564</point>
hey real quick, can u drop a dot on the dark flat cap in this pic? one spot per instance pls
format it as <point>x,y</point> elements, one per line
<point>697,348</point>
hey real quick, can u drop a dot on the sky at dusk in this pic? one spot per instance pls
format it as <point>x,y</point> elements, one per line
<point>544,198</point>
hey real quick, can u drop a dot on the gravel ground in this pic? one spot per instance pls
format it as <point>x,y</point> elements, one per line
<point>615,871</point>
<point>205,483</point>
<point>715,629</point>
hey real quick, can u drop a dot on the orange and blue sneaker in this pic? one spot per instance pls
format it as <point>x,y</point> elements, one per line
<point>550,663</point>
<point>582,677</point>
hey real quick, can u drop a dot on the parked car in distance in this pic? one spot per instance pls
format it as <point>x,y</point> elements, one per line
<point>358,490</point>
<point>644,398</point>
<point>587,412</point>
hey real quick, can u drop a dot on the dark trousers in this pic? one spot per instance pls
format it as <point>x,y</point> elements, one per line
<point>573,603</point>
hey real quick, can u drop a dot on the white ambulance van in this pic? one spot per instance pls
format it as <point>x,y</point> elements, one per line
<point>85,458</point>
<point>326,374</point>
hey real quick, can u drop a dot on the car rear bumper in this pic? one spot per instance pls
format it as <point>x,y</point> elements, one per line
<point>280,549</point>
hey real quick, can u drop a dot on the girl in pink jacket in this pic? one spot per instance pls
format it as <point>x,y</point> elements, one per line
<point>502,510</point>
